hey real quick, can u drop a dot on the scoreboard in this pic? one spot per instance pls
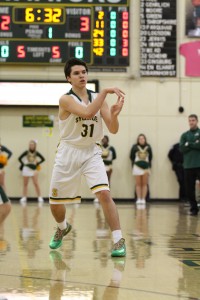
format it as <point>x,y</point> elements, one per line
<point>50,31</point>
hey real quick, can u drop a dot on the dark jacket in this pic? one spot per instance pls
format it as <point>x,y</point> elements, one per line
<point>190,147</point>
<point>176,157</point>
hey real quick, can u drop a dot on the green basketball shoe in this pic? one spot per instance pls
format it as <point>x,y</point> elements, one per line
<point>119,249</point>
<point>56,240</point>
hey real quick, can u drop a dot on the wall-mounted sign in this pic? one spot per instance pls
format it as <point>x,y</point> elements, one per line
<point>158,38</point>
<point>38,121</point>
<point>191,52</point>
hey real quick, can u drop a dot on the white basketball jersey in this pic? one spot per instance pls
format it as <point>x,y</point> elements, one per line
<point>81,131</point>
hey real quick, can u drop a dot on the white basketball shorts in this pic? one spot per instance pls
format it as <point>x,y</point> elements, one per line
<point>70,164</point>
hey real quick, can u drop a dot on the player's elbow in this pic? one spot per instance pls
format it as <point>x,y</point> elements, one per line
<point>113,130</point>
<point>113,127</point>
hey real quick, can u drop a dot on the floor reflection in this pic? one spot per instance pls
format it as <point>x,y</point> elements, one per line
<point>30,231</point>
<point>4,243</point>
<point>58,276</point>
<point>163,250</point>
<point>103,242</point>
<point>140,239</point>
<point>185,246</point>
<point>112,290</point>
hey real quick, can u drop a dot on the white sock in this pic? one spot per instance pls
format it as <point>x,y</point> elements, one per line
<point>117,235</point>
<point>62,225</point>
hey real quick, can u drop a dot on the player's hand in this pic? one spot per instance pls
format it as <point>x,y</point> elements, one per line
<point>115,90</point>
<point>117,107</point>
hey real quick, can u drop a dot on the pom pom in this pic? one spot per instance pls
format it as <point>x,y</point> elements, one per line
<point>3,159</point>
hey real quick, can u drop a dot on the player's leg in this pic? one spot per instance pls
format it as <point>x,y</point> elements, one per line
<point>109,209</point>
<point>95,173</point>
<point>112,218</point>
<point>65,182</point>
<point>58,211</point>
<point>63,227</point>
<point>108,172</point>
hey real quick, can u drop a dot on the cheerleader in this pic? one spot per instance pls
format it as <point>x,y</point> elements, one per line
<point>30,161</point>
<point>141,157</point>
<point>108,155</point>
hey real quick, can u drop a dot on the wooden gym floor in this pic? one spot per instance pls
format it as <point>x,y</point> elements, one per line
<point>163,254</point>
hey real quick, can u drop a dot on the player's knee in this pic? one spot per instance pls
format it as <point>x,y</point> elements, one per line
<point>104,195</point>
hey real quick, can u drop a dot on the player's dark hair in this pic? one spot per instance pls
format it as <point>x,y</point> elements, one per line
<point>73,62</point>
<point>193,116</point>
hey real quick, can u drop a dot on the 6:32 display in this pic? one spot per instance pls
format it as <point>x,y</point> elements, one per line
<point>39,15</point>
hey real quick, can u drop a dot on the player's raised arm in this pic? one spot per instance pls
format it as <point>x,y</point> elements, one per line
<point>110,115</point>
<point>68,104</point>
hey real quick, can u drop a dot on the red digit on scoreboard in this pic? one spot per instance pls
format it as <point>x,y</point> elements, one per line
<point>55,51</point>
<point>124,15</point>
<point>125,24</point>
<point>21,53</point>
<point>125,43</point>
<point>124,34</point>
<point>124,51</point>
<point>4,22</point>
<point>85,24</point>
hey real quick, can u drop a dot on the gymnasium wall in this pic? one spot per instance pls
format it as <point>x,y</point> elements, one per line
<point>151,107</point>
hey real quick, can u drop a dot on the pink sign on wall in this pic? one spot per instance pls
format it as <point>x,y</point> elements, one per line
<point>191,52</point>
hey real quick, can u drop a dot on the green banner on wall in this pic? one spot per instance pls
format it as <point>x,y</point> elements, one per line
<point>38,121</point>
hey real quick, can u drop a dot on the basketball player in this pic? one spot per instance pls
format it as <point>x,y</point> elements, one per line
<point>80,122</point>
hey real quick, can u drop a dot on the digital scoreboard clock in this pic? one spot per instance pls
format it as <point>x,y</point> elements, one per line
<point>50,31</point>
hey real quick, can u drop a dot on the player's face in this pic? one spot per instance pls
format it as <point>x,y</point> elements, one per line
<point>78,76</point>
<point>193,123</point>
